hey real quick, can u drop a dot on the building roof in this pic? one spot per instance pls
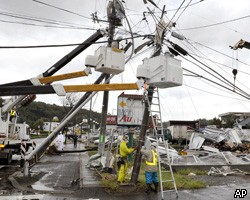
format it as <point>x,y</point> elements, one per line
<point>131,96</point>
<point>235,114</point>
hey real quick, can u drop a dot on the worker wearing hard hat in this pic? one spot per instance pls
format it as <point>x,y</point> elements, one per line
<point>124,151</point>
<point>151,174</point>
<point>13,114</point>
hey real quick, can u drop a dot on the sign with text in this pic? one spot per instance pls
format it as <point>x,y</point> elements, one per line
<point>130,110</point>
<point>111,120</point>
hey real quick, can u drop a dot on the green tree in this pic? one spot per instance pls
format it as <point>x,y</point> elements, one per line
<point>38,124</point>
<point>230,121</point>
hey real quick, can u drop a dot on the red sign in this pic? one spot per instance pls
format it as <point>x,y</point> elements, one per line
<point>111,120</point>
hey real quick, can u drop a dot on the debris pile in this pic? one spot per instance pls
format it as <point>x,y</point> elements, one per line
<point>216,146</point>
<point>215,140</point>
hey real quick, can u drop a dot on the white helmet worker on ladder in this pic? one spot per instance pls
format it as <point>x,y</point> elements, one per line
<point>151,173</point>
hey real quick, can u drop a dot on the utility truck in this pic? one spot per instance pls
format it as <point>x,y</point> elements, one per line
<point>13,134</point>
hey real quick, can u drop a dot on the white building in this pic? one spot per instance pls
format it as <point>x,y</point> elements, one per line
<point>50,126</point>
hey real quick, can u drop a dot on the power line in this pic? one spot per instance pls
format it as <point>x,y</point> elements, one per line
<point>180,51</point>
<point>224,65</point>
<point>183,11</point>
<point>65,45</point>
<point>193,102</point>
<point>216,24</point>
<point>39,19</point>
<point>46,26</point>
<point>221,53</point>
<point>216,94</point>
<point>71,12</point>
<point>200,76</point>
<point>177,11</point>
<point>213,62</point>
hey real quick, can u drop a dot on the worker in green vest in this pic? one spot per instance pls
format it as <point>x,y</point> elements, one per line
<point>151,174</point>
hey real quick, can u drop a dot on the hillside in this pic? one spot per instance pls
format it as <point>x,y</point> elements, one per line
<point>38,112</point>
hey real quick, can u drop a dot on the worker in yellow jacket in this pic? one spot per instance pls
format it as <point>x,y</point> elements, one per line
<point>123,162</point>
<point>13,114</point>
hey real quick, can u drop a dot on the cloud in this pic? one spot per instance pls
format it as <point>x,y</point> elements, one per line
<point>183,102</point>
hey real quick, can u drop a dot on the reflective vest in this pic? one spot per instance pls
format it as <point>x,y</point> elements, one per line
<point>12,113</point>
<point>154,161</point>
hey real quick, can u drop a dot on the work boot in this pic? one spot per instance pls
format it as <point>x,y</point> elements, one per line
<point>148,190</point>
<point>156,187</point>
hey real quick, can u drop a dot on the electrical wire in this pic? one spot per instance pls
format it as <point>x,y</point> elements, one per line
<point>218,74</point>
<point>132,38</point>
<point>183,11</point>
<point>193,102</point>
<point>226,72</point>
<point>220,53</point>
<point>216,24</point>
<point>218,63</point>
<point>200,76</point>
<point>62,9</point>
<point>64,45</point>
<point>177,11</point>
<point>216,94</point>
<point>46,26</point>
<point>41,20</point>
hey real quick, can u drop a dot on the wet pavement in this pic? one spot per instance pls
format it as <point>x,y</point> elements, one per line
<point>66,177</point>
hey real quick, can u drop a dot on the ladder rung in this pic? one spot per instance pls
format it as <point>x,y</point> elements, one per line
<point>167,181</point>
<point>155,111</point>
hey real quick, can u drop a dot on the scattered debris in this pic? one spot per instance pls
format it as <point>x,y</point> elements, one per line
<point>225,170</point>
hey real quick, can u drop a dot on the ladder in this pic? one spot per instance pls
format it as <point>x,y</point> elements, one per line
<point>155,115</point>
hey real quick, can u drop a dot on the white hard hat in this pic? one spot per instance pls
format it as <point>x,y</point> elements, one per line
<point>154,144</point>
<point>120,138</point>
<point>125,138</point>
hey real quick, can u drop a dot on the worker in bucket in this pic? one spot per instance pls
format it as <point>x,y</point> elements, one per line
<point>151,174</point>
<point>13,114</point>
<point>122,163</point>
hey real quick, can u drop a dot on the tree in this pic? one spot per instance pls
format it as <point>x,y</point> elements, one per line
<point>38,124</point>
<point>230,121</point>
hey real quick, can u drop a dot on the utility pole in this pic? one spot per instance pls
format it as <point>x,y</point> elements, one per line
<point>113,20</point>
<point>150,90</point>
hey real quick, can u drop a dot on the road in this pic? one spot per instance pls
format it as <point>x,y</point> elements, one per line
<point>65,176</point>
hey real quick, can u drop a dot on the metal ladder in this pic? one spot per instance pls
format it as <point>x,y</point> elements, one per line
<point>155,114</point>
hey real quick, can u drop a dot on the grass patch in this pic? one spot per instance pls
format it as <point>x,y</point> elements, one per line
<point>33,136</point>
<point>109,181</point>
<point>183,181</point>
<point>191,170</point>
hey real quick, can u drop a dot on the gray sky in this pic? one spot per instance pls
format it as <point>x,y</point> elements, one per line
<point>195,99</point>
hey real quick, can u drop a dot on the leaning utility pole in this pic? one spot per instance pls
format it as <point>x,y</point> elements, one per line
<point>138,156</point>
<point>113,21</point>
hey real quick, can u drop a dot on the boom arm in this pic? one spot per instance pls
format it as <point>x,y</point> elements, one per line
<point>241,44</point>
<point>61,90</point>
<point>52,70</point>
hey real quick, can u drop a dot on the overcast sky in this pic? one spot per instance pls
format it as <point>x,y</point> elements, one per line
<point>196,99</point>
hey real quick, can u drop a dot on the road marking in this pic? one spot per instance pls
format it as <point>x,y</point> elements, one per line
<point>23,197</point>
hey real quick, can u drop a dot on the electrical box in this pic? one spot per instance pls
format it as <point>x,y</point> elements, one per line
<point>165,71</point>
<point>110,60</point>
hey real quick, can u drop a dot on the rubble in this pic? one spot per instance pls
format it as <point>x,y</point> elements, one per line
<point>217,146</point>
<point>225,170</point>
